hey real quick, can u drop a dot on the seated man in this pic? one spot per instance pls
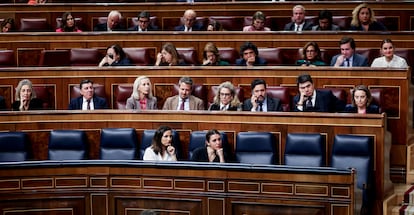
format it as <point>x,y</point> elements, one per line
<point>325,22</point>
<point>298,20</point>
<point>143,23</point>
<point>184,100</point>
<point>348,57</point>
<point>189,25</point>
<point>260,101</point>
<point>113,23</point>
<point>311,100</point>
<point>250,56</point>
<point>88,100</point>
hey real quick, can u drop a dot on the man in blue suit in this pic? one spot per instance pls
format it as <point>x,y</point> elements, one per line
<point>311,100</point>
<point>189,20</point>
<point>143,23</point>
<point>348,57</point>
<point>88,100</point>
<point>113,23</point>
<point>250,56</point>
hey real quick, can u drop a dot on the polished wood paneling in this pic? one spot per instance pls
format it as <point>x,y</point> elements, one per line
<point>235,198</point>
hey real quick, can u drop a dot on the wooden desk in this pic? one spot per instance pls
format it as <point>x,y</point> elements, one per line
<point>39,124</point>
<point>116,187</point>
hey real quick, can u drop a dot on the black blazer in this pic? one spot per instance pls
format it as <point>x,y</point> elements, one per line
<point>273,104</point>
<point>104,27</point>
<point>370,109</point>
<point>258,62</point>
<point>149,28</point>
<point>325,102</point>
<point>35,104</point>
<point>196,27</point>
<point>98,102</point>
<point>215,106</point>
<point>291,26</point>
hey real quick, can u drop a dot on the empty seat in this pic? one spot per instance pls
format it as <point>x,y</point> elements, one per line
<point>281,93</point>
<point>213,92</point>
<point>189,55</point>
<point>344,22</point>
<point>255,148</point>
<point>229,23</point>
<point>198,139</point>
<point>14,146</point>
<point>46,93</point>
<point>118,144</point>
<point>228,54</point>
<point>84,57</point>
<point>54,58</point>
<point>146,141</point>
<point>34,25</point>
<point>141,56</point>
<point>67,145</point>
<point>121,93</point>
<point>271,55</point>
<point>369,53</point>
<point>7,58</point>
<point>352,151</point>
<point>303,149</point>
<point>338,93</point>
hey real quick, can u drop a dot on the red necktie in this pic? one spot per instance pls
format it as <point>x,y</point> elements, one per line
<point>182,105</point>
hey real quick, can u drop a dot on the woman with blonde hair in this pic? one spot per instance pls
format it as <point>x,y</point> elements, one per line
<point>363,19</point>
<point>226,98</point>
<point>26,97</point>
<point>141,97</point>
<point>211,56</point>
<point>361,101</point>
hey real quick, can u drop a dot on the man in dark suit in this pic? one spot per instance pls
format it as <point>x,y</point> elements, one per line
<point>189,20</point>
<point>143,23</point>
<point>88,100</point>
<point>113,23</point>
<point>260,101</point>
<point>311,100</point>
<point>184,100</point>
<point>250,56</point>
<point>348,57</point>
<point>298,20</point>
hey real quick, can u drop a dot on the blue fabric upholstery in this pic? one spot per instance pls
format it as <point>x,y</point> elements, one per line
<point>146,141</point>
<point>304,150</point>
<point>118,144</point>
<point>67,145</point>
<point>351,151</point>
<point>255,148</point>
<point>198,139</point>
<point>14,146</point>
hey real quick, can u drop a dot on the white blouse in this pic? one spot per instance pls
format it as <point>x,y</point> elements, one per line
<point>149,155</point>
<point>396,62</point>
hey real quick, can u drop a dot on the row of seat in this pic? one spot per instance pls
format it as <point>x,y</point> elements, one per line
<point>145,56</point>
<point>229,23</point>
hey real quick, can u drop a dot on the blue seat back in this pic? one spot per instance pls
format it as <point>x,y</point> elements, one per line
<point>14,146</point>
<point>118,144</point>
<point>304,149</point>
<point>198,139</point>
<point>67,145</point>
<point>255,148</point>
<point>146,141</point>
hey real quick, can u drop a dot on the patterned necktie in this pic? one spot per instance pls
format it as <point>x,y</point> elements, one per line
<point>309,105</point>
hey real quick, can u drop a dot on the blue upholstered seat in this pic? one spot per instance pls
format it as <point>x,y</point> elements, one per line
<point>146,141</point>
<point>67,145</point>
<point>14,146</point>
<point>198,139</point>
<point>255,148</point>
<point>304,149</point>
<point>118,144</point>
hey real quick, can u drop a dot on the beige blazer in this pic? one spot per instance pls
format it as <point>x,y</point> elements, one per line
<point>172,103</point>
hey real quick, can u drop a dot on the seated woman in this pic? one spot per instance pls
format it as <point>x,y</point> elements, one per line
<point>212,151</point>
<point>161,148</point>
<point>312,55</point>
<point>169,56</point>
<point>68,24</point>
<point>115,56</point>
<point>141,97</point>
<point>389,59</point>
<point>211,56</point>
<point>363,19</point>
<point>361,101</point>
<point>226,98</point>
<point>7,25</point>
<point>26,97</point>
<point>258,22</point>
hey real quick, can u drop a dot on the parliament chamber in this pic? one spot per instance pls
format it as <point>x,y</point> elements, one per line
<point>55,63</point>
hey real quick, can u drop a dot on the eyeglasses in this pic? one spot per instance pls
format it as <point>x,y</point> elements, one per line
<point>225,94</point>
